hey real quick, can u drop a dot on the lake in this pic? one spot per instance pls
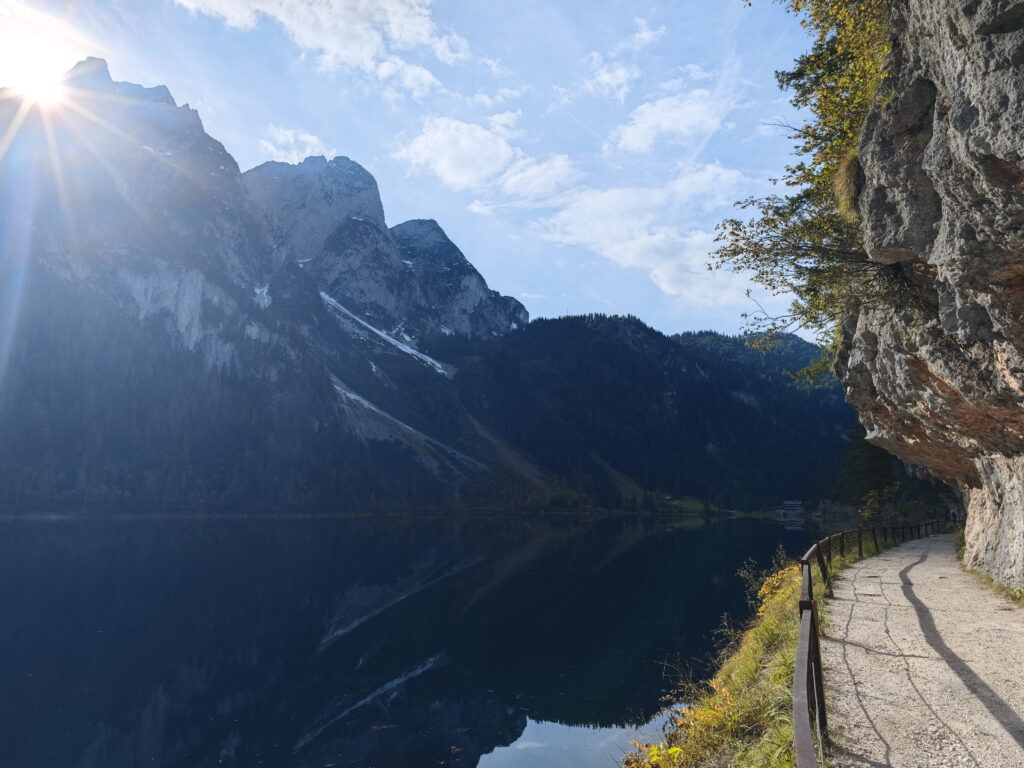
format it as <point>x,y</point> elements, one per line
<point>500,642</point>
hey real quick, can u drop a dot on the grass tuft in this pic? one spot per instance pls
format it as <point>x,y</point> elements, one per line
<point>1014,594</point>
<point>847,182</point>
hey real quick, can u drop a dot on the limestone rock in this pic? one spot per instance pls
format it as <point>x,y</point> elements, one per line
<point>939,380</point>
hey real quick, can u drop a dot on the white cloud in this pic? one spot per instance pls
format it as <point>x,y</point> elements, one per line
<point>690,73</point>
<point>415,80</point>
<point>357,34</point>
<point>462,155</point>
<point>290,145</point>
<point>537,180</point>
<point>480,208</point>
<point>639,227</point>
<point>644,36</point>
<point>500,96</point>
<point>504,124</point>
<point>696,72</point>
<point>694,115</point>
<point>609,75</point>
<point>470,156</point>
<point>610,78</point>
<point>496,67</point>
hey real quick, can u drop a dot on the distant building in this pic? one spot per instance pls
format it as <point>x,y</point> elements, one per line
<point>791,515</point>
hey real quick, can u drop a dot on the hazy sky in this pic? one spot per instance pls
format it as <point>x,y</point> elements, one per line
<point>579,152</point>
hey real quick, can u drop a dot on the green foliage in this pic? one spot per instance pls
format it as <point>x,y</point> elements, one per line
<point>754,577</point>
<point>1014,594</point>
<point>875,499</point>
<point>807,242</point>
<point>873,479</point>
<point>836,80</point>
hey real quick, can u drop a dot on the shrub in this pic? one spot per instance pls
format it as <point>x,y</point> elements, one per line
<point>807,241</point>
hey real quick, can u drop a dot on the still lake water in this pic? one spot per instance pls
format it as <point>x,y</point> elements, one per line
<point>499,643</point>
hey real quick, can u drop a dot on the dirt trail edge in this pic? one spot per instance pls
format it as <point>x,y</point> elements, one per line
<point>924,665</point>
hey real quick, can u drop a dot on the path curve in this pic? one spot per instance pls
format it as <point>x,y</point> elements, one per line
<point>924,666</point>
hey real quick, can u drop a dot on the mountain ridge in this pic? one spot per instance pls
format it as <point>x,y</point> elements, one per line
<point>189,336</point>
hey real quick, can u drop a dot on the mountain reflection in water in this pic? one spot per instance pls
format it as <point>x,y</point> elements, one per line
<point>331,642</point>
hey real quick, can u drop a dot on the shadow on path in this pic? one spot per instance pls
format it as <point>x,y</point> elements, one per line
<point>999,709</point>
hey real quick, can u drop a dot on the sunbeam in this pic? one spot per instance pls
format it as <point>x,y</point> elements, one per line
<point>12,130</point>
<point>17,210</point>
<point>36,49</point>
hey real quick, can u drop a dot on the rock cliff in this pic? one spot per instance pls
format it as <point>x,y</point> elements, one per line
<point>327,217</point>
<point>939,378</point>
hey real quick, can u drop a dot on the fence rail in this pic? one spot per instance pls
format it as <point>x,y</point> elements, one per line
<point>810,721</point>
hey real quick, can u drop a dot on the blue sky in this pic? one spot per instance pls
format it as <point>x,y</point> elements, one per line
<point>579,152</point>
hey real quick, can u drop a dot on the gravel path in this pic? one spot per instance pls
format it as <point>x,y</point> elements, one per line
<point>924,666</point>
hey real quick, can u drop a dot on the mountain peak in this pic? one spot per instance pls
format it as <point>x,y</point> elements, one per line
<point>307,201</point>
<point>92,75</point>
<point>427,231</point>
<point>89,73</point>
<point>429,246</point>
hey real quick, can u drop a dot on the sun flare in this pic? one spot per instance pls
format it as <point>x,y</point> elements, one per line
<point>36,51</point>
<point>38,74</point>
<point>42,89</point>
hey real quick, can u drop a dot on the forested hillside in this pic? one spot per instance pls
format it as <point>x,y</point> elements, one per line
<point>626,413</point>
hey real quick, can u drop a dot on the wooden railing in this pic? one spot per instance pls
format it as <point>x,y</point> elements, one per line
<point>810,721</point>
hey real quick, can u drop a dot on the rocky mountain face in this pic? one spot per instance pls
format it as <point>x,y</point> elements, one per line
<point>939,380</point>
<point>177,334</point>
<point>177,331</point>
<point>326,217</point>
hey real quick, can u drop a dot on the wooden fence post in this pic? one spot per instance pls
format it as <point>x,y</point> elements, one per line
<point>842,543</point>
<point>819,682</point>
<point>824,568</point>
<point>860,543</point>
<point>874,538</point>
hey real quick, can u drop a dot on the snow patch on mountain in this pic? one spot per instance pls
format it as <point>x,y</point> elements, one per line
<point>431,450</point>
<point>425,359</point>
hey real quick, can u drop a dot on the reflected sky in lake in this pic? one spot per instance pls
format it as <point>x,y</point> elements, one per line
<point>543,745</point>
<point>505,642</point>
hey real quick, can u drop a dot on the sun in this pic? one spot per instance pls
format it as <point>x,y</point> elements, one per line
<point>35,52</point>
<point>42,88</point>
<point>36,74</point>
